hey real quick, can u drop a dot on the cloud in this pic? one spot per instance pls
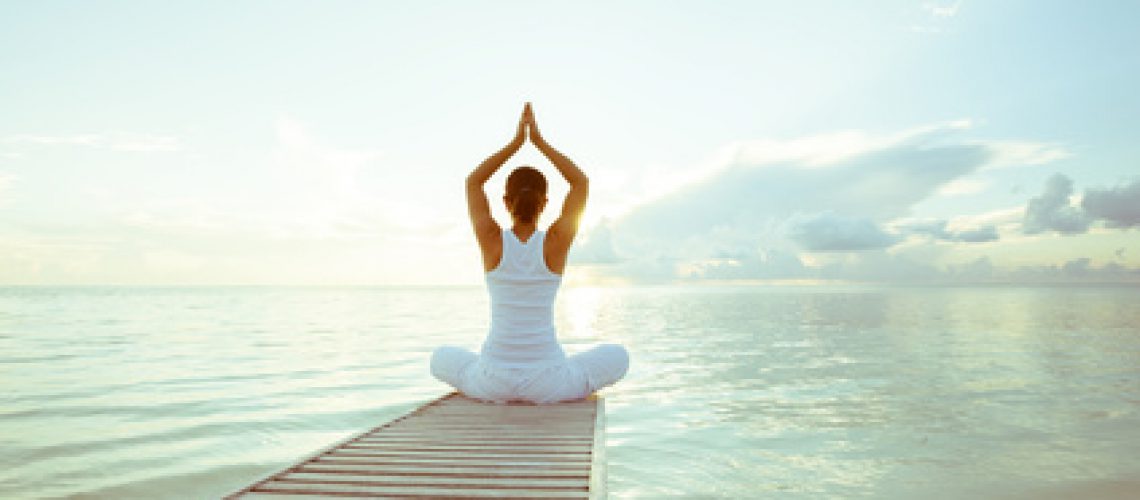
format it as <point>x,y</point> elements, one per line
<point>937,20</point>
<point>596,248</point>
<point>978,270</point>
<point>961,187</point>
<point>940,230</point>
<point>1024,153</point>
<point>113,141</point>
<point>744,204</point>
<point>1119,206</point>
<point>766,182</point>
<point>1078,270</point>
<point>308,212</point>
<point>979,235</point>
<point>829,232</point>
<point>763,265</point>
<point>762,204</point>
<point>318,191</point>
<point>1052,211</point>
<point>942,10</point>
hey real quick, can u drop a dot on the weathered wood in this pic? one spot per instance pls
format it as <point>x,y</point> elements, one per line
<point>457,447</point>
<point>418,461</point>
<point>598,463</point>
<point>451,470</point>
<point>413,492</point>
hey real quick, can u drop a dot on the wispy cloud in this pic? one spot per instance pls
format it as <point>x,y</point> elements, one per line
<point>962,187</point>
<point>113,141</point>
<point>936,19</point>
<point>942,9</point>
<point>944,230</point>
<point>1024,153</point>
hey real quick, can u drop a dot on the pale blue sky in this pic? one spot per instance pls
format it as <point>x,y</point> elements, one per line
<point>324,142</point>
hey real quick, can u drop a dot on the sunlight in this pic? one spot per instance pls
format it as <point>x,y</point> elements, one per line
<point>579,311</point>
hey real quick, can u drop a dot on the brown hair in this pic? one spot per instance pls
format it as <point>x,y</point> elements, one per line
<point>526,188</point>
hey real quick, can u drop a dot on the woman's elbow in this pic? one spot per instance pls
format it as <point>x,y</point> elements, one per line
<point>581,181</point>
<point>473,180</point>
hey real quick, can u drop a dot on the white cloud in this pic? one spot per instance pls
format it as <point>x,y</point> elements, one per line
<point>92,140</point>
<point>937,20</point>
<point>943,230</point>
<point>307,212</point>
<point>143,143</point>
<point>819,207</point>
<point>595,247</point>
<point>830,232</point>
<point>1024,153</point>
<point>763,265</point>
<point>1007,220</point>
<point>834,147</point>
<point>962,187</point>
<point>749,198</point>
<point>815,150</point>
<point>942,10</point>
<point>114,141</point>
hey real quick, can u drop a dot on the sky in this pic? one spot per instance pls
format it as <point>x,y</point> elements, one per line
<point>303,142</point>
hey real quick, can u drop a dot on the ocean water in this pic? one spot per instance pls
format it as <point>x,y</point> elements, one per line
<point>734,391</point>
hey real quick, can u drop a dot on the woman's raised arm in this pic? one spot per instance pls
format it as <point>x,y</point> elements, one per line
<point>563,229</point>
<point>478,208</point>
<point>485,170</point>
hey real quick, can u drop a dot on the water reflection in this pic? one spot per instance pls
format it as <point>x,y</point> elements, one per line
<point>733,391</point>
<point>872,392</point>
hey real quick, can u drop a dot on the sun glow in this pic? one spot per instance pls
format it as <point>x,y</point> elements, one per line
<point>579,312</point>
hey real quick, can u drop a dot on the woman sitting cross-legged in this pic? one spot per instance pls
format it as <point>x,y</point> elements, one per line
<point>521,359</point>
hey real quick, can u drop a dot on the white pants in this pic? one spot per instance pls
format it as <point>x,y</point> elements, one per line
<point>577,377</point>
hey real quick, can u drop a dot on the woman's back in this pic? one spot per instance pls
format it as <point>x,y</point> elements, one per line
<point>522,291</point>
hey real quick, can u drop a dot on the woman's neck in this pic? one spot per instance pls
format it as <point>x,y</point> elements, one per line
<point>524,230</point>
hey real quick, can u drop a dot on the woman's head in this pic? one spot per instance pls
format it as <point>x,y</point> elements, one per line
<point>526,194</point>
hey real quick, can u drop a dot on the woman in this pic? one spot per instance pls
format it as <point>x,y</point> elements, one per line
<point>521,360</point>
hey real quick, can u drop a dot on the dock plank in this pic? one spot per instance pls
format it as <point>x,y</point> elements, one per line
<point>457,447</point>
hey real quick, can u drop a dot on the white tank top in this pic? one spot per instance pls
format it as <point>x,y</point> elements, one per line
<point>522,292</point>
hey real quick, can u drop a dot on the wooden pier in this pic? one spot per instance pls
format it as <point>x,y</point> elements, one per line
<point>457,447</point>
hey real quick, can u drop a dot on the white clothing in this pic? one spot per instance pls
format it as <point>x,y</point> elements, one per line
<point>521,358</point>
<point>576,377</point>
<point>522,306</point>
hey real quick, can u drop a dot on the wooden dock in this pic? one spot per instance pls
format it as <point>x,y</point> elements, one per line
<point>457,447</point>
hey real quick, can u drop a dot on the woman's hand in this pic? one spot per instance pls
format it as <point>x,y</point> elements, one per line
<point>532,125</point>
<point>524,124</point>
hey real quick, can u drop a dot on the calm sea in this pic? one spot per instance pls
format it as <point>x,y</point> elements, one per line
<point>738,392</point>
